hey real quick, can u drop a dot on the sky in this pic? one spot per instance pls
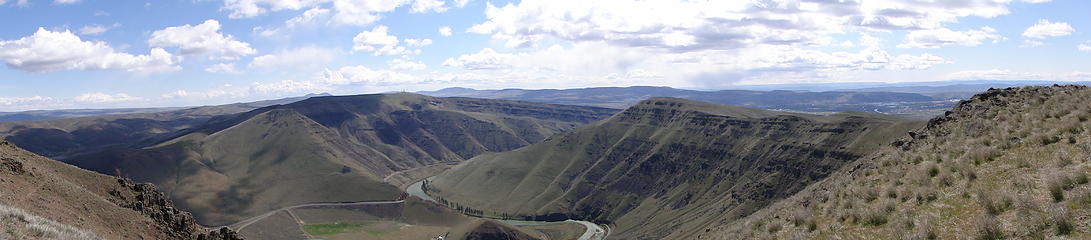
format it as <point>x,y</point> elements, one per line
<point>61,54</point>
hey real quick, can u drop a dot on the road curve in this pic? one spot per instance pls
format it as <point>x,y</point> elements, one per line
<point>594,231</point>
<point>244,223</point>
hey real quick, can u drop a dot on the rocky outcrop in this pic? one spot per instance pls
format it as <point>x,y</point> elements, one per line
<point>144,198</point>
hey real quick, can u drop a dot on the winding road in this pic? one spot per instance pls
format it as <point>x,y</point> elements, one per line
<point>594,231</point>
<point>244,223</point>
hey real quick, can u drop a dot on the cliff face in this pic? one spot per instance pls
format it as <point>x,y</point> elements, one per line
<point>666,165</point>
<point>243,165</point>
<point>1008,163</point>
<point>110,207</point>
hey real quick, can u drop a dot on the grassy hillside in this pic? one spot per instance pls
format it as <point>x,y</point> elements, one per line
<point>1008,163</point>
<point>666,164</point>
<point>328,149</point>
<point>45,199</point>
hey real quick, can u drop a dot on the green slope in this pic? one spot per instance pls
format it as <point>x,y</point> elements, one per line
<point>328,149</point>
<point>666,165</point>
<point>1008,163</point>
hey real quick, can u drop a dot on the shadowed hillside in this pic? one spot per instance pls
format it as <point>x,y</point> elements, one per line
<point>1008,163</point>
<point>666,164</point>
<point>329,149</point>
<point>44,199</point>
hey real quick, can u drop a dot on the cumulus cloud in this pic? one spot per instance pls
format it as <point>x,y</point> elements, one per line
<point>424,6</point>
<point>200,39</point>
<point>690,25</point>
<point>445,31</point>
<point>1045,29</point>
<point>363,12</point>
<point>934,38</point>
<point>377,41</point>
<point>306,57</point>
<point>48,51</point>
<point>406,65</point>
<point>253,8</point>
<point>1084,47</point>
<point>105,98</point>
<point>228,68</point>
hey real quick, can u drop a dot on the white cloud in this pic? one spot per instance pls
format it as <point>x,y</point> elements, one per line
<point>406,65</point>
<point>425,6</point>
<point>445,31</point>
<point>303,57</point>
<point>105,98</point>
<point>1031,43</point>
<point>1084,47</point>
<point>95,29</point>
<point>349,12</point>
<point>1044,29</point>
<point>363,12</point>
<point>461,3</point>
<point>934,38</point>
<point>228,68</point>
<point>288,87</point>
<point>253,8</point>
<point>378,41</point>
<point>366,76</point>
<point>412,42</point>
<point>48,51</point>
<point>65,1</point>
<point>696,25</point>
<point>19,101</point>
<point>200,39</point>
<point>483,60</point>
<point>1004,74</point>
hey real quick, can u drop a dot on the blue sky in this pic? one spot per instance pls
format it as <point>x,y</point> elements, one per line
<point>101,54</point>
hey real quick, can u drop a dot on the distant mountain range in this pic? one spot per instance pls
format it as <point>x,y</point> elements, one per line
<point>896,103</point>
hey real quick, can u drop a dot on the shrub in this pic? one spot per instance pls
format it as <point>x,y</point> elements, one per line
<point>992,202</point>
<point>988,228</point>
<point>1056,189</point>
<point>1061,219</point>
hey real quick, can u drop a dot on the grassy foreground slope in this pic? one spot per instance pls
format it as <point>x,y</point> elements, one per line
<point>45,199</point>
<point>1008,163</point>
<point>328,149</point>
<point>666,165</point>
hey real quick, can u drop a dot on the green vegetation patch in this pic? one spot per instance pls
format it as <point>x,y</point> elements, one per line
<point>334,228</point>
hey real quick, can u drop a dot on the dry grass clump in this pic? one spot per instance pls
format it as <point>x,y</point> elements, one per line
<point>1061,220</point>
<point>988,228</point>
<point>19,224</point>
<point>994,203</point>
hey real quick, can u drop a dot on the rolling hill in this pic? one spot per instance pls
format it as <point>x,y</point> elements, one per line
<point>329,149</point>
<point>44,199</point>
<point>666,166</point>
<point>1008,163</point>
<point>86,131</point>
